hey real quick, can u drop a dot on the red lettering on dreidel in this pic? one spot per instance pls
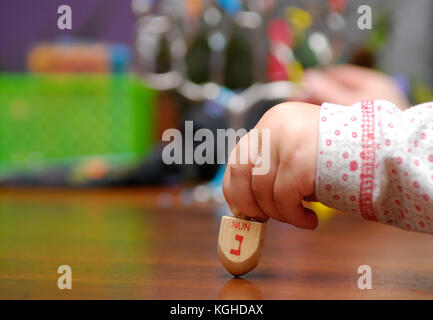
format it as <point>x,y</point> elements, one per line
<point>238,251</point>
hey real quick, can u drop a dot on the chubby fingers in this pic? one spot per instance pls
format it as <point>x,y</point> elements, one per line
<point>237,184</point>
<point>251,192</point>
<point>288,200</point>
<point>262,181</point>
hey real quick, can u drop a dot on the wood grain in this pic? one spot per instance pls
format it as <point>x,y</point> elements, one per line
<point>127,244</point>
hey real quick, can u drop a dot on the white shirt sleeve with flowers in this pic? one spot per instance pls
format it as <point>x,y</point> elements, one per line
<point>377,161</point>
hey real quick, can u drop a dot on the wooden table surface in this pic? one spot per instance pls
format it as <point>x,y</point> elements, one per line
<point>141,244</point>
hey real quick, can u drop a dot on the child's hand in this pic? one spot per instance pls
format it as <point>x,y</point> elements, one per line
<point>278,194</point>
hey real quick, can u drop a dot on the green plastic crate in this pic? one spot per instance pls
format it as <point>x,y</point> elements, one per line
<point>59,118</point>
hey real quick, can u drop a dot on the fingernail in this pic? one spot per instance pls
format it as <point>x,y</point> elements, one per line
<point>237,213</point>
<point>260,219</point>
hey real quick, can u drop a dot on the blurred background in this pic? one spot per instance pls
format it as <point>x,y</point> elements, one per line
<point>87,107</point>
<point>82,112</point>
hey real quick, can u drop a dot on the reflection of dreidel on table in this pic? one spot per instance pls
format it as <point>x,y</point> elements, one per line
<point>240,244</point>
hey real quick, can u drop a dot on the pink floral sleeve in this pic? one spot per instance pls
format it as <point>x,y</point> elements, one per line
<point>377,161</point>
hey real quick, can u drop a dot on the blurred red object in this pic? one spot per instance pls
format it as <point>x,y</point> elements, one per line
<point>337,5</point>
<point>280,39</point>
<point>279,31</point>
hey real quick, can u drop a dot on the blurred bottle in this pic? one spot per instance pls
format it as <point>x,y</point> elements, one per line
<point>163,56</point>
<point>238,71</point>
<point>198,56</point>
<point>238,67</point>
<point>198,59</point>
<point>300,21</point>
<point>280,53</point>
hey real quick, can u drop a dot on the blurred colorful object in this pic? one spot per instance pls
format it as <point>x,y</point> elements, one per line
<point>337,5</point>
<point>48,119</point>
<point>280,55</point>
<point>323,212</point>
<point>79,57</point>
<point>421,92</point>
<point>300,19</point>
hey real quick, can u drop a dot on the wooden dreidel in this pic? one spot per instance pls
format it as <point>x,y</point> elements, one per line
<point>240,244</point>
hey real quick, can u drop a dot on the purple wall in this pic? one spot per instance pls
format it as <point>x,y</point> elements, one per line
<point>25,22</point>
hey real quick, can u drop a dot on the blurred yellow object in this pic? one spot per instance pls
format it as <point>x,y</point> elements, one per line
<point>421,93</point>
<point>295,71</point>
<point>323,212</point>
<point>300,19</point>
